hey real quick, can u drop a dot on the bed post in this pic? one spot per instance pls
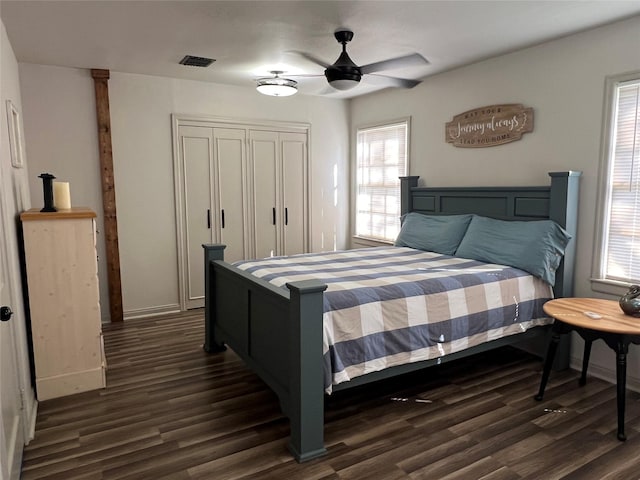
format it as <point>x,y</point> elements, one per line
<point>563,209</point>
<point>406,184</point>
<point>211,252</point>
<point>306,385</point>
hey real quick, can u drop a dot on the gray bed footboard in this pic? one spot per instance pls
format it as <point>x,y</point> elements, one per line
<point>278,333</point>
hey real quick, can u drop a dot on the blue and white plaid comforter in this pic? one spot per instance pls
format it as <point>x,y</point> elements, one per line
<point>388,306</point>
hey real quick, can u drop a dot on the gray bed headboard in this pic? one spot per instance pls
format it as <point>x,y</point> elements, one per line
<point>558,202</point>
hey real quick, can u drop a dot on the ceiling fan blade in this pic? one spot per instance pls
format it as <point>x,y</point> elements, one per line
<point>311,58</point>
<point>391,81</point>
<point>411,60</point>
<point>328,90</point>
<point>303,75</point>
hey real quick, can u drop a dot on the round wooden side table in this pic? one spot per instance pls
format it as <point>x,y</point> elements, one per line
<point>593,319</point>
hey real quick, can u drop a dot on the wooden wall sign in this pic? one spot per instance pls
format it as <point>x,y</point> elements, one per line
<point>489,126</point>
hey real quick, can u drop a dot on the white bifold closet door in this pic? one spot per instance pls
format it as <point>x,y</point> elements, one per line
<point>254,200</point>
<point>213,161</point>
<point>279,165</point>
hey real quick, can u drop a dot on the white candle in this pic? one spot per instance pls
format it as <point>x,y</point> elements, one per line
<point>61,195</point>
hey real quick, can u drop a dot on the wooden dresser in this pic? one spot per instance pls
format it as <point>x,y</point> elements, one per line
<point>62,279</point>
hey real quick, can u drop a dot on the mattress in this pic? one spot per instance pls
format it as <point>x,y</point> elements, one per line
<point>389,306</point>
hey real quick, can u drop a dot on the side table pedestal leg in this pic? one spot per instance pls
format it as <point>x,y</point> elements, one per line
<point>548,362</point>
<point>621,383</point>
<point>585,362</point>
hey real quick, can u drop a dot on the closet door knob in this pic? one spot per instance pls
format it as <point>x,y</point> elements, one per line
<point>5,313</point>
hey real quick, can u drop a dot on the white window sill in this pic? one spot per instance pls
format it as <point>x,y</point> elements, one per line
<point>610,287</point>
<point>362,242</point>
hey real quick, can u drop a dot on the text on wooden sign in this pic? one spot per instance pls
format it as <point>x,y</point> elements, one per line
<point>489,126</point>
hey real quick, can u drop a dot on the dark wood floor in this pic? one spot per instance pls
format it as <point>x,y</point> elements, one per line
<point>170,411</point>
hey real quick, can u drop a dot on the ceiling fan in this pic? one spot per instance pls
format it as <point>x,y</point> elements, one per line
<point>344,74</point>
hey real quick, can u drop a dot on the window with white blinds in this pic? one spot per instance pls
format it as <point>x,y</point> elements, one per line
<point>620,252</point>
<point>381,158</point>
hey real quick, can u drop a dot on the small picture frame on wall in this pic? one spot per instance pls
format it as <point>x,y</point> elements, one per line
<point>15,135</point>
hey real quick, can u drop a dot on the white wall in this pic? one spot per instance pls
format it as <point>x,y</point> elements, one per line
<point>564,82</point>
<point>14,199</point>
<point>60,118</point>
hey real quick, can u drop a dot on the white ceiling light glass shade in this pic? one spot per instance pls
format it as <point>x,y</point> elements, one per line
<point>276,86</point>
<point>343,84</point>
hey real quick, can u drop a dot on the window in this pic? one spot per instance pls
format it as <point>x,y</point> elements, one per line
<point>618,258</point>
<point>381,158</point>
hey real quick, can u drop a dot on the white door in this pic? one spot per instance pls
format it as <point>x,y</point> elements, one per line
<point>197,160</point>
<point>11,432</point>
<point>212,165</point>
<point>266,214</point>
<point>230,161</point>
<point>293,147</point>
<point>279,161</point>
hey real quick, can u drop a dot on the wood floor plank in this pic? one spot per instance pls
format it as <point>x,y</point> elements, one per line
<point>171,411</point>
<point>622,462</point>
<point>422,461</point>
<point>478,469</point>
<point>289,470</point>
<point>463,461</point>
<point>503,473</point>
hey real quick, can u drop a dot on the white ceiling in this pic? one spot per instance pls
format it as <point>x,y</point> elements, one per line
<point>250,38</point>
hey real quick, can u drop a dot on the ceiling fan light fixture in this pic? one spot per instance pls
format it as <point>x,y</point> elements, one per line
<point>343,84</point>
<point>276,86</point>
<point>345,74</point>
<point>343,78</point>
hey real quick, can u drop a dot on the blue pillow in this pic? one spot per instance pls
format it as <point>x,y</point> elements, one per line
<point>433,233</point>
<point>536,247</point>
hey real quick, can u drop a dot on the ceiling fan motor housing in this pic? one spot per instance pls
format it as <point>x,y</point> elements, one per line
<point>343,68</point>
<point>343,72</point>
<point>341,78</point>
<point>343,36</point>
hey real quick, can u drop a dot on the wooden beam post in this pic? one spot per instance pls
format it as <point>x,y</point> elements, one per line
<point>100,80</point>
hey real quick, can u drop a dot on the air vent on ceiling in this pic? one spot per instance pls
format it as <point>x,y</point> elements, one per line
<point>193,61</point>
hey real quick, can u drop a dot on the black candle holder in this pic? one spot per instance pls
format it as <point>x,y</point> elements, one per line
<point>47,188</point>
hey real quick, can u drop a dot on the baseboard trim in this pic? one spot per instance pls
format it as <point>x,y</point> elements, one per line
<point>151,311</point>
<point>70,383</point>
<point>30,419</point>
<point>606,374</point>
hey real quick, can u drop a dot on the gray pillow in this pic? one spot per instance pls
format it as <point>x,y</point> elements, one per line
<point>536,247</point>
<point>433,233</point>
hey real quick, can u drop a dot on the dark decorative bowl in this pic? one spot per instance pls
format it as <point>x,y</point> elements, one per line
<point>630,301</point>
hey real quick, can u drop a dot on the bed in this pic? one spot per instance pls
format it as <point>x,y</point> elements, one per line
<point>275,323</point>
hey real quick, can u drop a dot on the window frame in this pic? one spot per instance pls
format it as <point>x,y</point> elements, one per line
<point>598,281</point>
<point>359,240</point>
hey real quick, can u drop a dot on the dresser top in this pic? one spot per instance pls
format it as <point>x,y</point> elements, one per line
<point>75,212</point>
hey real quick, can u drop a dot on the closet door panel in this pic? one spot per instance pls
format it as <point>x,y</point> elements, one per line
<point>267,213</point>
<point>230,183</point>
<point>294,188</point>
<point>197,161</point>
